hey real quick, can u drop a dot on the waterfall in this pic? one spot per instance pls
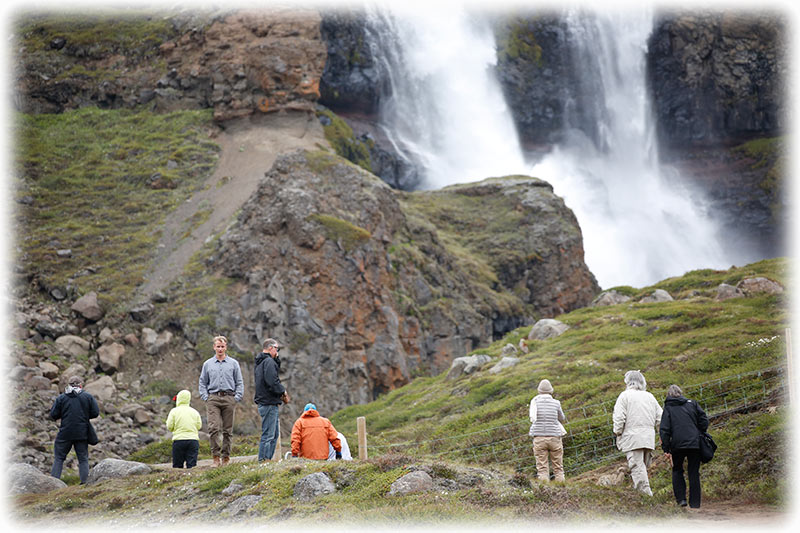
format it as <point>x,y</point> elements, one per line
<point>447,115</point>
<point>446,112</point>
<point>640,221</point>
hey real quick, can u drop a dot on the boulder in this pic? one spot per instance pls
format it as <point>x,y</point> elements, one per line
<point>547,328</point>
<point>154,343</point>
<point>105,335</point>
<point>505,362</point>
<point>233,488</point>
<point>23,373</point>
<point>242,505</point>
<point>759,285</point>
<point>611,297</point>
<point>72,345</point>
<point>312,486</point>
<point>416,481</point>
<point>103,388</point>
<point>110,356</point>
<point>49,370</point>
<point>131,339</point>
<point>115,468</point>
<point>658,295</point>
<point>38,383</point>
<point>726,292</point>
<point>141,312</point>
<point>24,479</point>
<point>508,349</point>
<point>88,307</point>
<point>48,328</point>
<point>467,365</point>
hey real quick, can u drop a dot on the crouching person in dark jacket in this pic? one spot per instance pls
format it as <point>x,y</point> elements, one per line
<point>681,426</point>
<point>75,408</point>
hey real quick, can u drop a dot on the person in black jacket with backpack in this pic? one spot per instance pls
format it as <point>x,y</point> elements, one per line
<point>74,407</point>
<point>270,394</point>
<point>682,424</point>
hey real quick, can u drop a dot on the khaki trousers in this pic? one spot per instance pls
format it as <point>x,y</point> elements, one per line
<point>549,447</point>
<point>219,411</point>
<point>638,462</point>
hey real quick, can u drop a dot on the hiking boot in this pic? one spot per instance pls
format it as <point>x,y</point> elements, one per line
<point>216,460</point>
<point>682,503</point>
<point>225,460</point>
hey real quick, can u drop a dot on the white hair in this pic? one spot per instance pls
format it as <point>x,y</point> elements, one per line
<point>635,380</point>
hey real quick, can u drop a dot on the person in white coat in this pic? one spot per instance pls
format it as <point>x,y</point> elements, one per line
<point>636,415</point>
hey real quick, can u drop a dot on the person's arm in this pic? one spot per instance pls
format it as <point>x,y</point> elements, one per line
<point>55,410</point>
<point>271,379</point>
<point>561,417</point>
<point>532,411</point>
<point>702,418</point>
<point>237,376</point>
<point>665,431</point>
<point>202,383</point>
<point>620,415</point>
<point>198,422</point>
<point>94,409</point>
<point>296,429</point>
<point>171,421</point>
<point>659,411</point>
<point>333,438</point>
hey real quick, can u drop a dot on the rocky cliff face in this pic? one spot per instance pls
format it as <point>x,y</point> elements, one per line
<point>368,287</point>
<point>717,77</point>
<point>238,63</point>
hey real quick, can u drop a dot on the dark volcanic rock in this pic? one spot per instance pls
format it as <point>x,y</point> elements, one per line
<point>717,76</point>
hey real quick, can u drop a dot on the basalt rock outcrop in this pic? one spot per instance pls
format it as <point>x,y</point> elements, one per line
<point>368,286</point>
<point>239,62</point>
<point>717,76</point>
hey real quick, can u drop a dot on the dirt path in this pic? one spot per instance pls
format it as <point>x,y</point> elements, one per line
<point>249,148</point>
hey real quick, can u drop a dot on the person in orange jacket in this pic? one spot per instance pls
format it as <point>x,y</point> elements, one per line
<point>311,434</point>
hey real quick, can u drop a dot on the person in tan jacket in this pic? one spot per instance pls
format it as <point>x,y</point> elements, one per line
<point>311,434</point>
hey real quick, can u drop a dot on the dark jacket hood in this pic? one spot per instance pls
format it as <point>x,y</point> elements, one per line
<point>680,400</point>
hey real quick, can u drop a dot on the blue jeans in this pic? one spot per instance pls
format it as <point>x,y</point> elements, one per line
<point>270,429</point>
<point>62,448</point>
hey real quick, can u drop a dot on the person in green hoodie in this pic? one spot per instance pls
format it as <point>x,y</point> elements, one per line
<point>184,422</point>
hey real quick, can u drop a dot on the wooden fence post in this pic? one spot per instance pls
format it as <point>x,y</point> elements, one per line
<point>789,366</point>
<point>361,423</point>
<point>278,454</point>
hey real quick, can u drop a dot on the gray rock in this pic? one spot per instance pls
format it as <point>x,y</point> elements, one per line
<point>115,468</point>
<point>105,335</point>
<point>154,343</point>
<point>48,328</point>
<point>759,285</point>
<point>39,383</point>
<point>243,504</point>
<point>726,292</point>
<point>417,481</point>
<point>49,370</point>
<point>312,486</point>
<point>141,312</point>
<point>508,349</point>
<point>110,356</point>
<point>547,328</point>
<point>23,373</point>
<point>234,487</point>
<point>611,297</point>
<point>88,308</point>
<point>657,296</point>
<point>72,345</point>
<point>505,362</point>
<point>24,479</point>
<point>103,388</point>
<point>467,365</point>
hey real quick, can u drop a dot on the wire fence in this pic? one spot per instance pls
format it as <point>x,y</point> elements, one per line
<point>589,442</point>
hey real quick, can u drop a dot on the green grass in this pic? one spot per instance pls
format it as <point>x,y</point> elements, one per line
<point>690,342</point>
<point>87,174</point>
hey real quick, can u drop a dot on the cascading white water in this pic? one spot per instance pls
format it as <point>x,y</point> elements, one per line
<point>446,111</point>
<point>640,223</point>
<point>447,114</point>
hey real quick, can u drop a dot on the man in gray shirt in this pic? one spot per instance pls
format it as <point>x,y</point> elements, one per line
<point>221,387</point>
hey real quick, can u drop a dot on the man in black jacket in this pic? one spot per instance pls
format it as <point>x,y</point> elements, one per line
<point>74,407</point>
<point>270,393</point>
<point>682,424</point>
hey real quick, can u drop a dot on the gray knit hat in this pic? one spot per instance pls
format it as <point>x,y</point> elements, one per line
<point>545,387</point>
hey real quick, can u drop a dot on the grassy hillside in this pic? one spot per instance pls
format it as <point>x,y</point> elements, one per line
<point>99,183</point>
<point>725,354</point>
<point>470,434</point>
